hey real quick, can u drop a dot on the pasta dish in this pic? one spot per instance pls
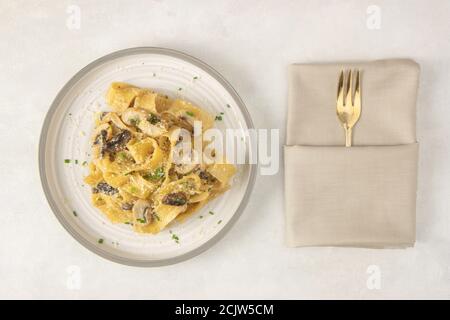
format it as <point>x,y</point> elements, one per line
<point>134,172</point>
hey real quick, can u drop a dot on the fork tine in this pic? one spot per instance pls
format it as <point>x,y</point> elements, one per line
<point>348,89</point>
<point>357,99</point>
<point>348,105</point>
<point>340,90</point>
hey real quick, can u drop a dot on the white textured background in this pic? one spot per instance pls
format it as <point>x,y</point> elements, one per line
<point>250,43</point>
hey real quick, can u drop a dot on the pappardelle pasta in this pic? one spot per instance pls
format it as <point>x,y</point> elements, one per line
<point>133,175</point>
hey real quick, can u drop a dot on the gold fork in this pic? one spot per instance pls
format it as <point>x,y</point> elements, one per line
<point>348,109</point>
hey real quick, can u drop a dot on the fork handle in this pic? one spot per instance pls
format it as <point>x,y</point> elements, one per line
<point>348,136</point>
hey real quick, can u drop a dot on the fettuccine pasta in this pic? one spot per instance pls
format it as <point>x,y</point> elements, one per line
<point>133,176</point>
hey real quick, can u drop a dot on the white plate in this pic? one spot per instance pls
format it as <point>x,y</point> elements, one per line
<point>65,135</point>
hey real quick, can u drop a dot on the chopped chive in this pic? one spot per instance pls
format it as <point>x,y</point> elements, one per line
<point>133,189</point>
<point>211,213</point>
<point>153,119</point>
<point>156,175</point>
<point>219,222</point>
<point>222,113</point>
<point>175,237</point>
<point>154,74</point>
<point>76,161</point>
<point>179,89</point>
<point>190,113</point>
<point>122,155</point>
<point>200,217</point>
<point>75,214</point>
<point>218,118</point>
<point>195,78</point>
<point>84,163</point>
<point>135,121</point>
<point>66,160</point>
<point>100,240</point>
<point>228,106</point>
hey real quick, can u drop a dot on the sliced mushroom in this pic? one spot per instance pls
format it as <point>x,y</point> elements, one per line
<point>127,206</point>
<point>118,142</point>
<point>175,199</point>
<point>208,177</point>
<point>101,133</point>
<point>134,116</point>
<point>142,120</point>
<point>181,121</point>
<point>142,211</point>
<point>105,188</point>
<point>99,139</point>
<point>185,168</point>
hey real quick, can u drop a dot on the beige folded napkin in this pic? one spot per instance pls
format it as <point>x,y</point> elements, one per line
<point>363,196</point>
<point>388,114</point>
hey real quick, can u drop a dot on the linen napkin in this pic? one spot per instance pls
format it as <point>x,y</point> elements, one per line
<point>362,196</point>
